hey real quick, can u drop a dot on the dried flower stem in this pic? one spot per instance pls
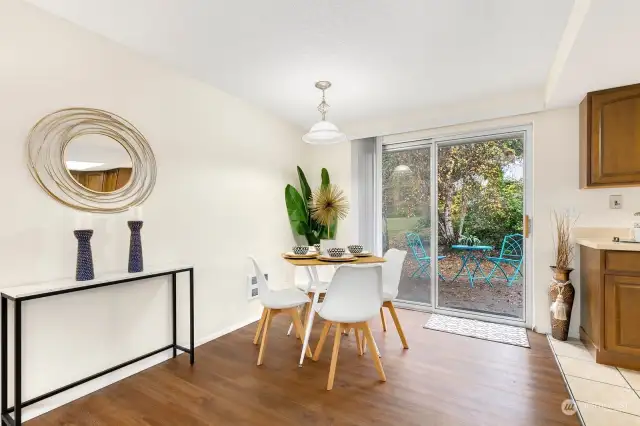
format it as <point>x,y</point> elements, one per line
<point>564,250</point>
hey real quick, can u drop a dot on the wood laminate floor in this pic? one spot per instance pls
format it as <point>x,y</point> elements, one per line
<point>443,379</point>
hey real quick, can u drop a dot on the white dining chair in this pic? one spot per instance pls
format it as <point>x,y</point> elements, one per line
<point>353,298</point>
<point>275,302</point>
<point>311,287</point>
<point>391,273</point>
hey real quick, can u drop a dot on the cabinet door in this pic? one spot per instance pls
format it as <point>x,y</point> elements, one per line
<point>124,174</point>
<point>615,137</point>
<point>622,314</point>
<point>110,179</point>
<point>94,181</point>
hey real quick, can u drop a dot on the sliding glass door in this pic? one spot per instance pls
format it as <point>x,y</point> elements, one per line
<point>480,218</point>
<point>406,217</point>
<point>466,252</point>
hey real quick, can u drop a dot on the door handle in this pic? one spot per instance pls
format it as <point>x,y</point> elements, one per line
<point>526,226</point>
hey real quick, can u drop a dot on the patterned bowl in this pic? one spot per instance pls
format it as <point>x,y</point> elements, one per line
<point>355,249</point>
<point>335,252</point>
<point>300,249</point>
<point>317,247</point>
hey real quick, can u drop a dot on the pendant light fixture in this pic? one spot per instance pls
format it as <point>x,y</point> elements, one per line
<point>324,132</point>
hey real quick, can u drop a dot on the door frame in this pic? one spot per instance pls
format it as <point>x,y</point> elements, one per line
<point>442,137</point>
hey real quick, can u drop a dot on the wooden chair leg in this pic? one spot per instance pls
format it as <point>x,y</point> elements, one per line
<point>265,326</point>
<point>396,321</point>
<point>305,312</point>
<point>323,338</point>
<point>293,326</point>
<point>256,339</point>
<point>298,326</point>
<point>384,322</point>
<point>374,355</point>
<point>334,356</point>
<point>358,341</point>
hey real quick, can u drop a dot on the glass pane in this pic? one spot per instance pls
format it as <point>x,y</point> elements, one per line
<point>480,211</point>
<point>406,218</point>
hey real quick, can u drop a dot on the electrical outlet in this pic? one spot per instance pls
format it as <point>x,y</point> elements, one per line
<point>252,286</point>
<point>615,201</point>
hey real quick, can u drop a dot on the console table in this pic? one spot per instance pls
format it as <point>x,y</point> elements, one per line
<point>20,294</point>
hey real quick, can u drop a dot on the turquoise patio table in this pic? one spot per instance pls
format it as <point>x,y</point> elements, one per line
<point>472,255</point>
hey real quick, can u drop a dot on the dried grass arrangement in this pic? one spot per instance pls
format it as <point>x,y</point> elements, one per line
<point>328,206</point>
<point>563,249</point>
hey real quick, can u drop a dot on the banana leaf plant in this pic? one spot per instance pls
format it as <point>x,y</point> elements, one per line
<point>298,210</point>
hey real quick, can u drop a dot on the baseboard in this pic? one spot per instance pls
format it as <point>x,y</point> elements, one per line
<point>63,398</point>
<point>227,330</point>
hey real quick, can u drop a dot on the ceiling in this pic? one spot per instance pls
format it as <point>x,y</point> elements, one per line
<point>383,57</point>
<point>604,53</point>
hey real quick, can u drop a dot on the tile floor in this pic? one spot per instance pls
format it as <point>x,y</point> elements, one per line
<point>604,395</point>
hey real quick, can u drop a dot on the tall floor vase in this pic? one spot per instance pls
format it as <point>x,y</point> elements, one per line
<point>84,261</point>
<point>136,263</point>
<point>561,295</point>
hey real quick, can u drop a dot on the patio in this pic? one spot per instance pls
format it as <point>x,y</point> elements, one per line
<point>496,299</point>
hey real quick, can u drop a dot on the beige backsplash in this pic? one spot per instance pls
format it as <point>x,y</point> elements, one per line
<point>584,232</point>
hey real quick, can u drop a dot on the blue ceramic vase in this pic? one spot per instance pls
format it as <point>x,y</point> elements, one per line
<point>136,263</point>
<point>84,262</point>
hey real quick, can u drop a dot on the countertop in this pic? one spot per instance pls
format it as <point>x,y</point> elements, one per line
<point>607,244</point>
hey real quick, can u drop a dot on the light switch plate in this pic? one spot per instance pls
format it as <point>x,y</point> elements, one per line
<point>615,201</point>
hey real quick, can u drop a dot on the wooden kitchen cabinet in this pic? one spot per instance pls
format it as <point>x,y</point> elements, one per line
<point>610,138</point>
<point>622,314</point>
<point>104,180</point>
<point>610,306</point>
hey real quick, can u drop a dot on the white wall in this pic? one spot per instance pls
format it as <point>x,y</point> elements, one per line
<point>499,105</point>
<point>555,186</point>
<point>222,167</point>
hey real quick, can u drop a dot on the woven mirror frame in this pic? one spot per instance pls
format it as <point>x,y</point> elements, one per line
<point>48,140</point>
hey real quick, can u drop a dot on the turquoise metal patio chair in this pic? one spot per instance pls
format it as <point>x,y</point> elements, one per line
<point>512,254</point>
<point>420,254</point>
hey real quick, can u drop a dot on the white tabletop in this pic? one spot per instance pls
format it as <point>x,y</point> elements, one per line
<point>36,289</point>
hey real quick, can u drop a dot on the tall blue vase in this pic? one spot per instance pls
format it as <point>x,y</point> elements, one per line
<point>136,263</point>
<point>84,262</point>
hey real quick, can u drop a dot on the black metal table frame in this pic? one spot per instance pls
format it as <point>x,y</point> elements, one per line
<point>17,337</point>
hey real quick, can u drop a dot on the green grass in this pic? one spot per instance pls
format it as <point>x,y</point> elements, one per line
<point>400,225</point>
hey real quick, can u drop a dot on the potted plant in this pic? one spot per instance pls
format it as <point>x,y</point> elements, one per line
<point>328,206</point>
<point>302,224</point>
<point>561,291</point>
<point>469,240</point>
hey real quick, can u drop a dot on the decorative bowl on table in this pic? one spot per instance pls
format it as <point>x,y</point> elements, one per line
<point>335,251</point>
<point>300,250</point>
<point>317,247</point>
<point>355,249</point>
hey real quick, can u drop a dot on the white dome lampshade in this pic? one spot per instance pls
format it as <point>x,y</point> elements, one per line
<point>402,169</point>
<point>324,133</point>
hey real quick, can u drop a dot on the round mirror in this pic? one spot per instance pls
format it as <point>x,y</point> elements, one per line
<point>98,163</point>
